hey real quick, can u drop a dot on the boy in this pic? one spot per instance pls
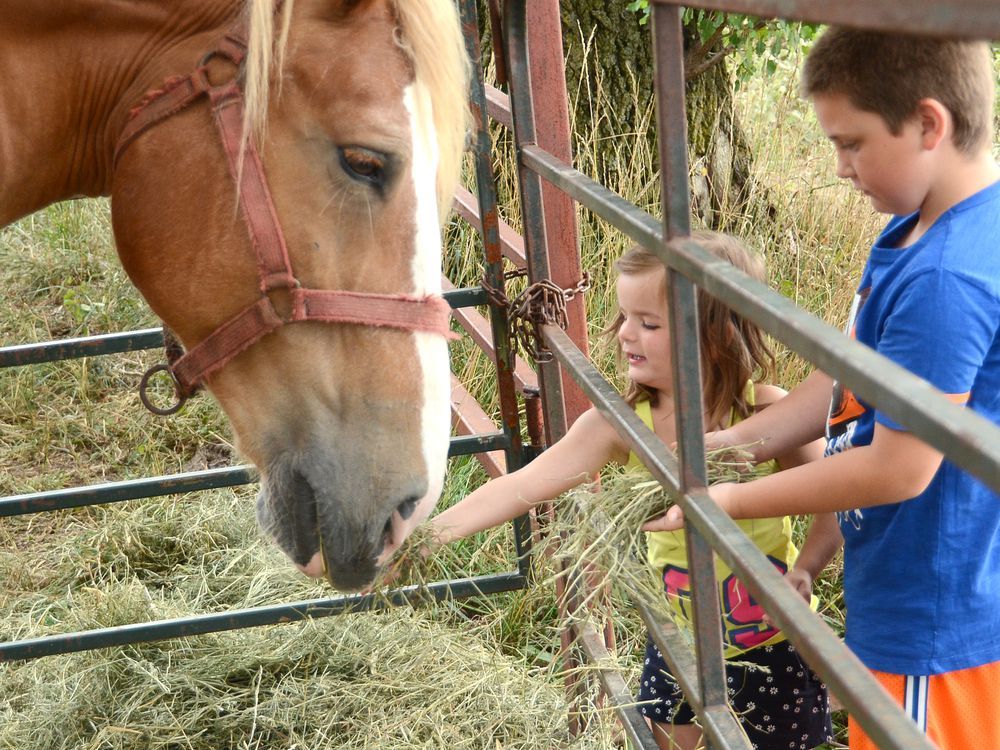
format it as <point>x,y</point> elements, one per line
<point>911,122</point>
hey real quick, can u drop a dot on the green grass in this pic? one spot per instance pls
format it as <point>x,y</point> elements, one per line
<point>476,670</point>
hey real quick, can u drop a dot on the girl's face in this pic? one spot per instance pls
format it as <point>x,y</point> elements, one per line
<point>643,335</point>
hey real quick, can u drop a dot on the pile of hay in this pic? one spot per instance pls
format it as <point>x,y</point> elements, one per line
<point>395,680</point>
<point>403,679</point>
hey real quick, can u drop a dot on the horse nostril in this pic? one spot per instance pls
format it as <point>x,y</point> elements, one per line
<point>407,507</point>
<point>387,533</point>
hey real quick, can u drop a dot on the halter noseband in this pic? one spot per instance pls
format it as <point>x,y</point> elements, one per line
<point>190,369</point>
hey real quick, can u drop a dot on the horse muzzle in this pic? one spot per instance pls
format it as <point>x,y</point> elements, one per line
<point>341,532</point>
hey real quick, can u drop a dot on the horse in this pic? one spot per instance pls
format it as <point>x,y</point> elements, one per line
<point>278,172</point>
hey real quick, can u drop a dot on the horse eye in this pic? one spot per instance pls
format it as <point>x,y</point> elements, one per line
<point>363,165</point>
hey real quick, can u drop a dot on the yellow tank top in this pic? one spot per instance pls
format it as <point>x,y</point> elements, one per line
<point>743,626</point>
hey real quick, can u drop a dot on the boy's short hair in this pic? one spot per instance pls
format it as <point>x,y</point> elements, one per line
<point>888,74</point>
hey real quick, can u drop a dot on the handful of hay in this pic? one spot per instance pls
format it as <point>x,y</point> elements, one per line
<point>599,525</point>
<point>419,561</point>
<point>595,523</point>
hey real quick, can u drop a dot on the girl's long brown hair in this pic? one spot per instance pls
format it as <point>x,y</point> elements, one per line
<point>733,350</point>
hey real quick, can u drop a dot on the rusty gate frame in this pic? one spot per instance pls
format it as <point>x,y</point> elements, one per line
<point>498,449</point>
<point>964,437</point>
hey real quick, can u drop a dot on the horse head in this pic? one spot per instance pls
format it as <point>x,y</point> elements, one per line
<point>358,111</point>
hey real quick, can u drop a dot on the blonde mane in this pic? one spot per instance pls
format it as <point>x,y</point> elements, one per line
<point>431,37</point>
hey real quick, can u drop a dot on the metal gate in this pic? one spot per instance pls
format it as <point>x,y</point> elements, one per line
<point>965,438</point>
<point>499,449</point>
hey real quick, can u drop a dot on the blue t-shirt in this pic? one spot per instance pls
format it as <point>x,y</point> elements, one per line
<point>922,577</point>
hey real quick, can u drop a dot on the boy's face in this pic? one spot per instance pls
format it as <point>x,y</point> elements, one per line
<point>890,169</point>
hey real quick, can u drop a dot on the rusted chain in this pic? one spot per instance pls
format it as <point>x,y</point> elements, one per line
<point>543,302</point>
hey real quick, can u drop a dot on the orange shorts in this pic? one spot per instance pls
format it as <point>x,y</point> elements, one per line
<point>958,710</point>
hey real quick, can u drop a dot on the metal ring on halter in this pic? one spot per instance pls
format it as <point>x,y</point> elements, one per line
<point>144,396</point>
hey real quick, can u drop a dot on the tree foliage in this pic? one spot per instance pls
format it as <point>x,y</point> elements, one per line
<point>752,44</point>
<point>609,50</point>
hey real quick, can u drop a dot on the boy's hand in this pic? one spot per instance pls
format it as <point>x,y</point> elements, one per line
<point>801,581</point>
<point>718,440</point>
<point>673,519</point>
<point>725,446</point>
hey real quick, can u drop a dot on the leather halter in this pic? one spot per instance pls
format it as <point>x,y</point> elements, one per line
<point>430,313</point>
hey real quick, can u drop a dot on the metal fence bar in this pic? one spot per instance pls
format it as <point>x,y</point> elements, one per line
<point>561,400</point>
<point>134,489</point>
<point>253,617</point>
<point>549,115</point>
<point>624,705</point>
<point>682,301</point>
<point>974,19</point>
<point>87,346</point>
<point>493,273</point>
<point>194,481</point>
<point>511,243</point>
<point>536,249</point>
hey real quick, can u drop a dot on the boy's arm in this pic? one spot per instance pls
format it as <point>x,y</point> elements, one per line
<point>895,467</point>
<point>824,538</point>
<point>767,397</point>
<point>821,544</point>
<point>587,447</point>
<point>795,420</point>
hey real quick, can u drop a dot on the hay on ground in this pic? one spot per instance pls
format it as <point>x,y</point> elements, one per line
<point>395,679</point>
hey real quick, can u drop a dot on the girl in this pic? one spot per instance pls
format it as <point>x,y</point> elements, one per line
<point>783,705</point>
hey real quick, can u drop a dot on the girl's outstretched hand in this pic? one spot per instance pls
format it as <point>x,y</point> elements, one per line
<point>401,567</point>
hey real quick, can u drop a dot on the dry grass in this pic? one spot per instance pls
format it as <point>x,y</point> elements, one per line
<point>403,679</point>
<point>391,680</point>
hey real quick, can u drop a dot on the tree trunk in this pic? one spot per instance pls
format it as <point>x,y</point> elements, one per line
<point>610,70</point>
<point>609,75</point>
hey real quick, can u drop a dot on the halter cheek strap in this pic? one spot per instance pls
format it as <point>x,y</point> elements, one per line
<point>430,314</point>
